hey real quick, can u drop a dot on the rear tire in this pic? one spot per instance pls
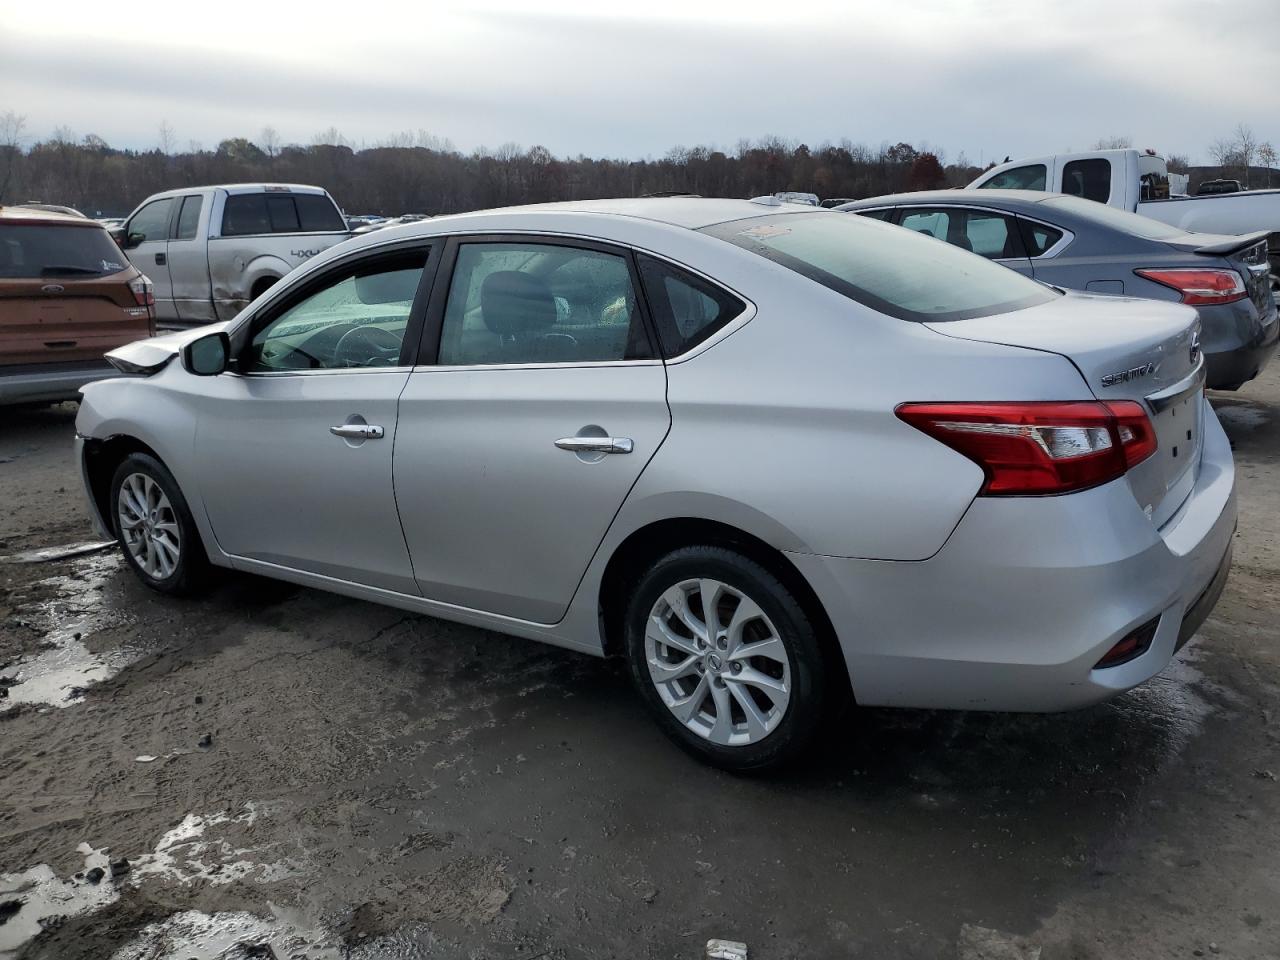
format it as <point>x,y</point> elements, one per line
<point>157,533</point>
<point>750,692</point>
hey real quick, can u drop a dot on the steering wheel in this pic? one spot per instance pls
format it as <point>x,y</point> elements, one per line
<point>366,346</point>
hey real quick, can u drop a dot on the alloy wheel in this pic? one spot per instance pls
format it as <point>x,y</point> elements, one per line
<point>717,662</point>
<point>149,526</point>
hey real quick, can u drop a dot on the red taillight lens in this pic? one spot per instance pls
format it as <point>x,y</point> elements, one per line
<point>1039,448</point>
<point>143,290</point>
<point>1201,286</point>
<point>1131,647</point>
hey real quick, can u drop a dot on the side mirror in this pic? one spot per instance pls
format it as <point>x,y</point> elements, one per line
<point>207,356</point>
<point>119,236</point>
<point>131,240</point>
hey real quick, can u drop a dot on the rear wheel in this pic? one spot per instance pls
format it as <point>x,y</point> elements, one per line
<point>726,659</point>
<point>157,533</point>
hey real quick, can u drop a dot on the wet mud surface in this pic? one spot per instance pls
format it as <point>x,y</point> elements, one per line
<point>273,771</point>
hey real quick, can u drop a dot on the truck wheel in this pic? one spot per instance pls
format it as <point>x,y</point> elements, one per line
<point>262,286</point>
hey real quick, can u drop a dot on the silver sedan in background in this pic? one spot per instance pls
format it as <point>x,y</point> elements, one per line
<point>774,456</point>
<point>1082,245</point>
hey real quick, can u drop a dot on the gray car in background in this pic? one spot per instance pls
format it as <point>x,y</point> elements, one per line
<point>1078,244</point>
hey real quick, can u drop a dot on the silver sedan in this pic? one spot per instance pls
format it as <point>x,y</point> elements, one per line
<point>776,457</point>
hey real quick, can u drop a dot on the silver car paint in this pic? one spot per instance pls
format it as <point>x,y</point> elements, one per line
<point>783,428</point>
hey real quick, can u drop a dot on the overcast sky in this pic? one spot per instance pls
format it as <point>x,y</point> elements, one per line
<point>986,77</point>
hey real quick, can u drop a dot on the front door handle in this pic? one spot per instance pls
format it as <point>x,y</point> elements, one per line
<point>596,444</point>
<point>161,259</point>
<point>358,431</point>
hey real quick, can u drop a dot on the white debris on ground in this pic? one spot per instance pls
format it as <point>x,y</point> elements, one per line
<point>192,935</point>
<point>186,856</point>
<point>726,950</point>
<point>37,895</point>
<point>48,554</point>
<point>983,943</point>
<point>58,675</point>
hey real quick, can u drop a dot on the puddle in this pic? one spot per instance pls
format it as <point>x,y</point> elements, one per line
<point>40,896</point>
<point>192,935</point>
<point>185,855</point>
<point>58,676</point>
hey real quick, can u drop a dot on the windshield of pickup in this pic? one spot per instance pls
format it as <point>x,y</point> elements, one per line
<point>890,269</point>
<point>1103,215</point>
<point>32,251</point>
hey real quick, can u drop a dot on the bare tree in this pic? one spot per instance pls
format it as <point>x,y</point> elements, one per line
<point>1113,143</point>
<point>1179,163</point>
<point>1267,157</point>
<point>63,136</point>
<point>11,127</point>
<point>269,141</point>
<point>1246,148</point>
<point>167,138</point>
<point>329,138</point>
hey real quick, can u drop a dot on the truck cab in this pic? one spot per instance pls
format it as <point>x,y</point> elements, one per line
<point>1119,178</point>
<point>211,250</point>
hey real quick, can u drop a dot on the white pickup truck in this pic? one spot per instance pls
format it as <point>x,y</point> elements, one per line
<point>1138,181</point>
<point>211,250</point>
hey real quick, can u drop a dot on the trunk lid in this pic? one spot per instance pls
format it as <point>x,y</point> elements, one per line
<point>62,319</point>
<point>1126,349</point>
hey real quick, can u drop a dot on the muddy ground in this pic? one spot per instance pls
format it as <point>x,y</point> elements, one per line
<point>374,784</point>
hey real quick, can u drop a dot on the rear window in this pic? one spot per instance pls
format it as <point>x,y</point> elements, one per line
<point>33,251</point>
<point>1123,220</point>
<point>251,213</point>
<point>894,271</point>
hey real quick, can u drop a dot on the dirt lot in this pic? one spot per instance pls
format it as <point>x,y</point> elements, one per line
<point>309,776</point>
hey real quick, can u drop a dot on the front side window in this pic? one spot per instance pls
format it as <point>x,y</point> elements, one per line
<point>540,303</point>
<point>356,319</point>
<point>686,309</point>
<point>991,235</point>
<point>189,218</point>
<point>1090,179</point>
<point>894,271</point>
<point>1030,177</point>
<point>151,222</point>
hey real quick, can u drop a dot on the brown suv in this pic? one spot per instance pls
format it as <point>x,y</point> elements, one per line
<point>67,295</point>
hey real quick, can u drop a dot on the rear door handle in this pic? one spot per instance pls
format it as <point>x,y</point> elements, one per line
<point>161,259</point>
<point>596,444</point>
<point>358,431</point>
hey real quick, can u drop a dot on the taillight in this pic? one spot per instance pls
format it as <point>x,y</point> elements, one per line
<point>1039,448</point>
<point>1200,286</point>
<point>1133,645</point>
<point>143,290</point>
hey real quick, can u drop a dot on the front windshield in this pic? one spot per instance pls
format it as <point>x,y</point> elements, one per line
<point>894,271</point>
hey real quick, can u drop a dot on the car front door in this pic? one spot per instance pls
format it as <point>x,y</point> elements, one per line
<point>294,445</point>
<point>147,247</point>
<point>538,403</point>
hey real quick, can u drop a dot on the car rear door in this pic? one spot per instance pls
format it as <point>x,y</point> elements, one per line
<point>538,402</point>
<point>294,446</point>
<point>189,261</point>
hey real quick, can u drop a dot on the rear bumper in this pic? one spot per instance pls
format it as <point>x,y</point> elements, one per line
<point>1237,344</point>
<point>1029,593</point>
<point>50,382</point>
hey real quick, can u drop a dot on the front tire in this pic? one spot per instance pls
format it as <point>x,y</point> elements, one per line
<point>157,534</point>
<point>727,660</point>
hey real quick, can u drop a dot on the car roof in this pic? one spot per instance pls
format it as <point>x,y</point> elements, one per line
<point>34,215</point>
<point>692,213</point>
<point>241,188</point>
<point>972,197</point>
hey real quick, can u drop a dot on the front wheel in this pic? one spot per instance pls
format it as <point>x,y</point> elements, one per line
<point>157,533</point>
<point>727,660</point>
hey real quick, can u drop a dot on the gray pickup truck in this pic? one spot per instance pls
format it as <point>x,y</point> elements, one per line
<point>211,250</point>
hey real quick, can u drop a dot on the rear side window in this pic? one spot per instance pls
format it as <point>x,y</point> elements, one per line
<point>883,214</point>
<point>686,309</point>
<point>991,235</point>
<point>31,251</point>
<point>891,270</point>
<point>1038,238</point>
<point>189,218</point>
<point>245,214</point>
<point>317,214</point>
<point>1030,177</point>
<point>1090,179</point>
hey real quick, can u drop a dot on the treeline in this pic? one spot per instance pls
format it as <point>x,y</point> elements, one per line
<point>426,175</point>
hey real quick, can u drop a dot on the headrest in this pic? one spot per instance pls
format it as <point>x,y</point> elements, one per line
<point>512,302</point>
